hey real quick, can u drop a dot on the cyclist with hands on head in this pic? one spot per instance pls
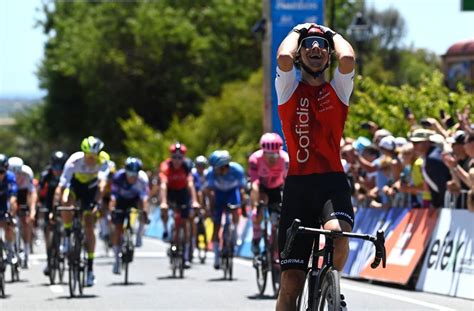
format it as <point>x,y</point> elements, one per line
<point>267,171</point>
<point>313,113</point>
<point>129,189</point>
<point>8,191</point>
<point>225,181</point>
<point>26,201</point>
<point>177,189</point>
<point>84,179</point>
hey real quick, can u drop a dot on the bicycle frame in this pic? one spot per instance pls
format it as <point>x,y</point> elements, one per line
<point>318,273</point>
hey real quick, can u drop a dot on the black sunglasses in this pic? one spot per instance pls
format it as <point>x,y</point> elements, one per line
<point>310,42</point>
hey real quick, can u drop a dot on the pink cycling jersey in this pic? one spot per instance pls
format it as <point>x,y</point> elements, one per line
<point>270,176</point>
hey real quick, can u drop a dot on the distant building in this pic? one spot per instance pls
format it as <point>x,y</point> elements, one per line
<point>458,65</point>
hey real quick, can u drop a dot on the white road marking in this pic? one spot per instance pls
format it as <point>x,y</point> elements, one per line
<point>56,289</point>
<point>395,297</point>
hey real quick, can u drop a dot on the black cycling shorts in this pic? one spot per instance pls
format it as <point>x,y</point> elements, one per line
<point>86,193</point>
<point>314,199</point>
<point>177,199</point>
<point>123,205</point>
<point>274,194</point>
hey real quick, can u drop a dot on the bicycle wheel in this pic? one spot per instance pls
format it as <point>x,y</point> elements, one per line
<point>303,303</point>
<point>275,268</point>
<point>52,266</point>
<point>72,280</point>
<point>181,247</point>
<point>261,272</point>
<point>2,269</point>
<point>201,242</point>
<point>330,298</point>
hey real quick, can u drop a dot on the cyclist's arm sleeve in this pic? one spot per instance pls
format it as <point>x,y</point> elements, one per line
<point>285,84</point>
<point>103,172</point>
<point>253,168</point>
<point>69,170</point>
<point>343,84</point>
<point>144,190</point>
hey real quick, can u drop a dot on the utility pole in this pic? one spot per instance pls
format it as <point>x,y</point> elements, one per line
<point>266,55</point>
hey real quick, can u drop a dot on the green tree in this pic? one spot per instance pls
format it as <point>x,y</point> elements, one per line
<point>161,58</point>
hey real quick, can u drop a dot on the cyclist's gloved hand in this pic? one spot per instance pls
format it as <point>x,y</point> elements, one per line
<point>302,27</point>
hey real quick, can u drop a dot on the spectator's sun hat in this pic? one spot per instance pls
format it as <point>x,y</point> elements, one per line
<point>379,134</point>
<point>360,143</point>
<point>387,143</point>
<point>400,142</point>
<point>420,135</point>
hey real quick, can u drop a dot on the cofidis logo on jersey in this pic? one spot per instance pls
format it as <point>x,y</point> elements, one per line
<point>302,130</point>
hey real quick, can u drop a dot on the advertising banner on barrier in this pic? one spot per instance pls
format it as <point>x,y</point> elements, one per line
<point>405,247</point>
<point>448,267</point>
<point>368,221</point>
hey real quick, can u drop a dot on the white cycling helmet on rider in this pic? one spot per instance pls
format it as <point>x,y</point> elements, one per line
<point>15,164</point>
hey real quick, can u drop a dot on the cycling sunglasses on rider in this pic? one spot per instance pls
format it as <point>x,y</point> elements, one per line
<point>177,156</point>
<point>312,41</point>
<point>131,173</point>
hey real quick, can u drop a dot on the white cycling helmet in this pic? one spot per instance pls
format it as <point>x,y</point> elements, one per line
<point>15,164</point>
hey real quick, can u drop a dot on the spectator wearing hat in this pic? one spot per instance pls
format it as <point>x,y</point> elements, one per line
<point>411,184</point>
<point>435,172</point>
<point>458,156</point>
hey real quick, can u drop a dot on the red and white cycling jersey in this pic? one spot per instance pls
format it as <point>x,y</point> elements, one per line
<point>312,119</point>
<point>270,176</point>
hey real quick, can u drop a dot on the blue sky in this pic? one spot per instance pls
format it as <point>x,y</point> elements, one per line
<point>431,24</point>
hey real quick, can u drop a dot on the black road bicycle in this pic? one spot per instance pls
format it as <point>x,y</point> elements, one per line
<point>55,257</point>
<point>176,252</point>
<point>76,255</point>
<point>322,286</point>
<point>201,236</point>
<point>128,248</point>
<point>268,260</point>
<point>228,243</point>
<point>3,256</point>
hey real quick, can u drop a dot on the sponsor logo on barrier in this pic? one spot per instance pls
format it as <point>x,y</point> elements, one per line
<point>444,254</point>
<point>448,267</point>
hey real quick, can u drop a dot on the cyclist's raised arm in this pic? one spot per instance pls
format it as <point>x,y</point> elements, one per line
<point>287,49</point>
<point>344,53</point>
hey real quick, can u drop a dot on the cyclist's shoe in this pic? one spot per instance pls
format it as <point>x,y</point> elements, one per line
<point>138,241</point>
<point>90,281</point>
<point>165,235</point>
<point>256,246</point>
<point>116,268</point>
<point>46,270</point>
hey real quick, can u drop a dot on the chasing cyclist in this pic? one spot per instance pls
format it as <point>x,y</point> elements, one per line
<point>49,180</point>
<point>8,191</point>
<point>83,180</point>
<point>267,171</point>
<point>129,189</point>
<point>313,113</point>
<point>177,190</point>
<point>226,184</point>
<point>26,202</point>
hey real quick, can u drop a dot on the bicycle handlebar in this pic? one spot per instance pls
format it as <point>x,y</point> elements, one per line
<point>378,241</point>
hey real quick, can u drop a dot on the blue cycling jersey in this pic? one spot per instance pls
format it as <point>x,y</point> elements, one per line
<point>232,179</point>
<point>8,188</point>
<point>121,189</point>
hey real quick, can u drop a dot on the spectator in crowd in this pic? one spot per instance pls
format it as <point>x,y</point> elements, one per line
<point>453,156</point>
<point>411,184</point>
<point>435,172</point>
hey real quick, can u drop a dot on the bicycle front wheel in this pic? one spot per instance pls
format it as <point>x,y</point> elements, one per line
<point>330,298</point>
<point>261,271</point>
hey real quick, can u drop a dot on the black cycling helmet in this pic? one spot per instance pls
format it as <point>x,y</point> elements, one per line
<point>133,164</point>
<point>58,159</point>
<point>3,161</point>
